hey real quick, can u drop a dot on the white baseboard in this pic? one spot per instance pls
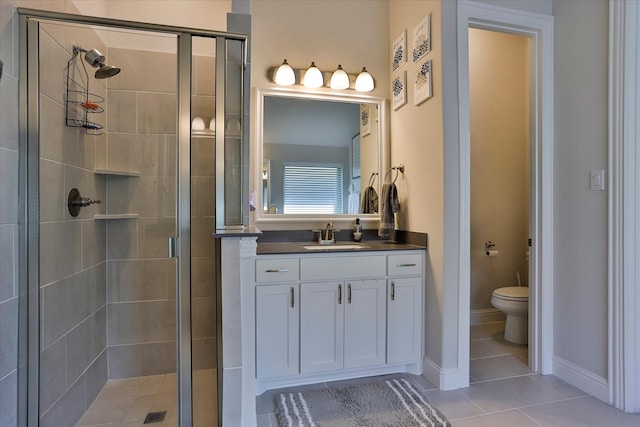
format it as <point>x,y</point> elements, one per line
<point>579,377</point>
<point>486,315</point>
<point>444,379</point>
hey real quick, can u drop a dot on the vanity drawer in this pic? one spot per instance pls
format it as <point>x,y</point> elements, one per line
<point>277,270</point>
<point>405,264</point>
<point>347,267</point>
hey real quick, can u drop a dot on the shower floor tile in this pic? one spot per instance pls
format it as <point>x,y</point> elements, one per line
<point>126,402</point>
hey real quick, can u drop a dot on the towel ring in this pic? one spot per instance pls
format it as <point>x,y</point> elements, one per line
<point>398,169</point>
<point>372,179</point>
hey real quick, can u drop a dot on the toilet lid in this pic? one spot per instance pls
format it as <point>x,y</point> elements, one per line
<point>512,293</point>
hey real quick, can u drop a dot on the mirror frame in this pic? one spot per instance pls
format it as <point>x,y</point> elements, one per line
<point>257,160</point>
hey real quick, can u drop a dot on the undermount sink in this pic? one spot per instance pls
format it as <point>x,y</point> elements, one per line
<point>335,247</point>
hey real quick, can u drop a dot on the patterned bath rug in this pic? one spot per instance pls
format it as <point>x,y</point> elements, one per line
<point>389,403</point>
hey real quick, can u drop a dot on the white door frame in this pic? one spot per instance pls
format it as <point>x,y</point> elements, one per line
<point>539,29</point>
<point>624,205</point>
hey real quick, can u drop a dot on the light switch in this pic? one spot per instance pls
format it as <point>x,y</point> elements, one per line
<point>597,180</point>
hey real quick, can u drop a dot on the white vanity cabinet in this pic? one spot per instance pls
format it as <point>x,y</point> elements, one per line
<point>404,307</point>
<point>331,316</point>
<point>277,317</point>
<point>342,324</point>
<point>404,332</point>
<point>277,330</point>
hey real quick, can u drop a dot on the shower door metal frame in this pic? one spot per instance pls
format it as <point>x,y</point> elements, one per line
<point>29,137</point>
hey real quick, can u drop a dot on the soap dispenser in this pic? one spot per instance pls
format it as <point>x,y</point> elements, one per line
<point>357,231</point>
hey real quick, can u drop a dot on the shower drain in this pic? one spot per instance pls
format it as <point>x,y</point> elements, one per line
<point>155,417</point>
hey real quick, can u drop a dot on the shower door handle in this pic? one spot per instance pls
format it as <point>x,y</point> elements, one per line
<point>173,247</point>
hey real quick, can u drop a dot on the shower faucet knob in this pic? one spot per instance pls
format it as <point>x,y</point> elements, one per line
<point>75,202</point>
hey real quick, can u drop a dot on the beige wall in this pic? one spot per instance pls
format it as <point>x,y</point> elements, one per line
<point>329,32</point>
<point>416,142</point>
<point>499,111</point>
<point>211,15</point>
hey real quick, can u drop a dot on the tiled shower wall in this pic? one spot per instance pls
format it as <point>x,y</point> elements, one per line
<point>73,360</point>
<point>141,289</point>
<point>141,307</point>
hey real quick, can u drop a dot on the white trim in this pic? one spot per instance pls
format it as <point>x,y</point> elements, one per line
<point>486,315</point>
<point>444,379</point>
<point>624,206</point>
<point>262,385</point>
<point>579,377</point>
<point>540,30</point>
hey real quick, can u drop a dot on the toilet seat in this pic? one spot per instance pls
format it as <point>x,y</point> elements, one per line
<point>512,293</point>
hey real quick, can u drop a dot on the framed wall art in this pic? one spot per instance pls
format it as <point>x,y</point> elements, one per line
<point>399,88</point>
<point>365,120</point>
<point>422,39</point>
<point>422,85</point>
<point>399,49</point>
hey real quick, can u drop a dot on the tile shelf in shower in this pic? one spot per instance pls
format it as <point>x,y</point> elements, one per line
<point>100,171</point>
<point>116,216</point>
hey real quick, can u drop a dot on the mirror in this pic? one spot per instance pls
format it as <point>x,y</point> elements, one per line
<point>318,154</point>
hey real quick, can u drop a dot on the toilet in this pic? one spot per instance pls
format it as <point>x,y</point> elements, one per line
<point>514,302</point>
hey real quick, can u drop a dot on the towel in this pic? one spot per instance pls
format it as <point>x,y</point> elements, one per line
<point>369,201</point>
<point>390,206</point>
<point>354,200</point>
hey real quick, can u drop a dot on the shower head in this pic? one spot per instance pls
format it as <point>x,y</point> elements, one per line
<point>106,71</point>
<point>94,58</point>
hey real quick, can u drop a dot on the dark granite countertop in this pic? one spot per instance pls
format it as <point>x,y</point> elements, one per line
<point>294,242</point>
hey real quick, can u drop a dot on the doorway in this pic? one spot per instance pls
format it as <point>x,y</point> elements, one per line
<point>500,172</point>
<point>121,124</point>
<point>538,29</point>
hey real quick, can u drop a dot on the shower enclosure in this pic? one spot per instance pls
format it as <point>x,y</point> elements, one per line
<point>120,194</point>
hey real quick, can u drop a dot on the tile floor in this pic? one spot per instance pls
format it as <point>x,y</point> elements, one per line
<point>503,392</point>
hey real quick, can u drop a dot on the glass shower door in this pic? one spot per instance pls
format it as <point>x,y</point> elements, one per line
<point>123,304</point>
<point>107,286</point>
<point>216,154</point>
<point>204,307</point>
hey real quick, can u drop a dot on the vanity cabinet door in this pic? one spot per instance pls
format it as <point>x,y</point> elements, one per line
<point>365,323</point>
<point>277,330</point>
<point>321,326</point>
<point>404,312</point>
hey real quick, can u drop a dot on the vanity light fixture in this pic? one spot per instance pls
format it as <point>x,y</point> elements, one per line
<point>284,75</point>
<point>313,77</point>
<point>339,79</point>
<point>364,81</point>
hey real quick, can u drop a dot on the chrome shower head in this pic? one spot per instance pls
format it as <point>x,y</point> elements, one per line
<point>106,71</point>
<point>94,58</point>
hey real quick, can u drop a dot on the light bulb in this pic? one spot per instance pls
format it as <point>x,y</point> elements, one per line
<point>339,79</point>
<point>197,123</point>
<point>364,81</point>
<point>285,75</point>
<point>313,77</point>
